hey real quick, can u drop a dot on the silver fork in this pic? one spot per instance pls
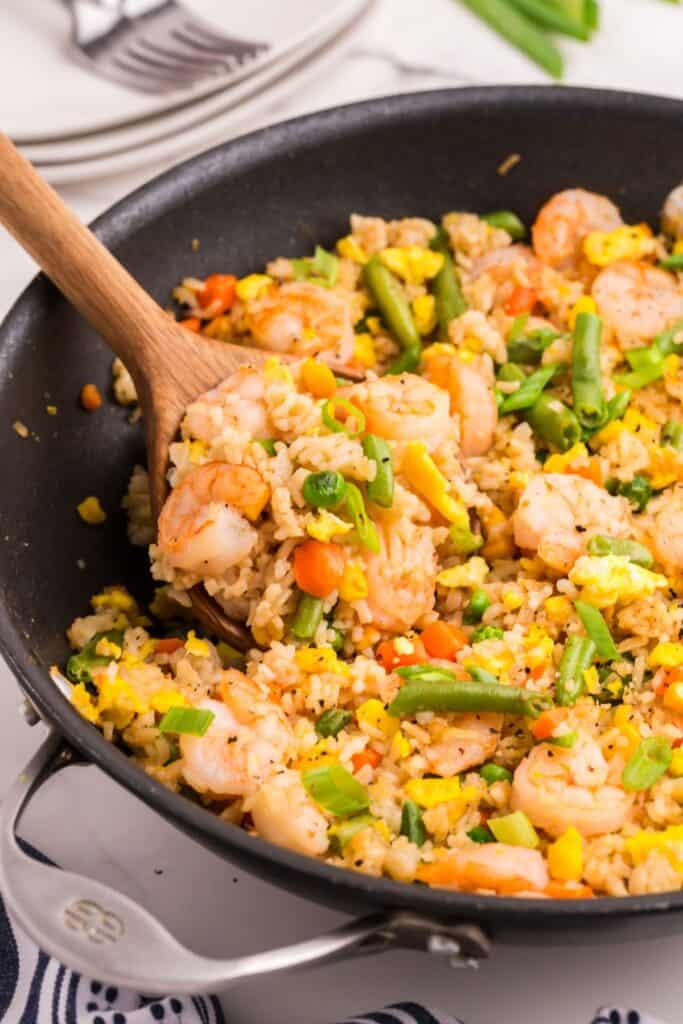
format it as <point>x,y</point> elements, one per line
<point>154,46</point>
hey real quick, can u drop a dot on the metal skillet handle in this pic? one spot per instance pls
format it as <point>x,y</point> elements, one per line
<point>102,933</point>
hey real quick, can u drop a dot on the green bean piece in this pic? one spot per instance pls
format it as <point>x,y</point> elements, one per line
<point>638,491</point>
<point>555,422</point>
<point>432,690</point>
<point>597,629</point>
<point>365,528</point>
<point>491,773</point>
<point>388,297</point>
<point>520,31</point>
<point>565,740</point>
<point>486,633</point>
<point>617,406</point>
<point>309,614</point>
<point>672,434</point>
<point>381,489</point>
<point>647,765</point>
<point>511,373</point>
<point>324,489</point>
<point>589,402</point>
<point>578,656</point>
<point>631,549</point>
<point>332,722</point>
<point>481,834</point>
<point>529,349</point>
<point>672,262</point>
<point>449,301</point>
<point>412,825</point>
<point>547,16</point>
<point>474,611</point>
<point>508,221</point>
<point>529,390</point>
<point>79,667</point>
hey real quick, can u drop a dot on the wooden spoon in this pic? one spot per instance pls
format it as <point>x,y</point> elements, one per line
<point>170,365</point>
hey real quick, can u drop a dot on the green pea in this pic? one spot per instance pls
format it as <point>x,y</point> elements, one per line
<point>491,773</point>
<point>325,489</point>
<point>486,633</point>
<point>479,602</point>
<point>481,834</point>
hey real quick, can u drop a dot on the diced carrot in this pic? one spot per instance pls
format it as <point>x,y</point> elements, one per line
<point>318,379</point>
<point>218,293</point>
<point>546,723</point>
<point>442,640</point>
<point>592,471</point>
<point>91,398</point>
<point>537,671</point>
<point>568,891</point>
<point>318,567</point>
<point>168,645</point>
<point>193,323</point>
<point>522,300</point>
<point>364,757</point>
<point>389,658</point>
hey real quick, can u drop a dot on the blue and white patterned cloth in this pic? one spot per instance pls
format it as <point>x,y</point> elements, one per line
<point>34,989</point>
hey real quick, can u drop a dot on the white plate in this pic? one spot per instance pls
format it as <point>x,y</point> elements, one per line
<point>101,144</point>
<point>53,96</point>
<point>254,113</point>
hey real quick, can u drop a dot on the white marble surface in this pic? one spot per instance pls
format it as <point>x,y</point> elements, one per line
<point>84,820</point>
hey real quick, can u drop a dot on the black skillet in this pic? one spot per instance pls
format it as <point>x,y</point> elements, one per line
<point>276,192</point>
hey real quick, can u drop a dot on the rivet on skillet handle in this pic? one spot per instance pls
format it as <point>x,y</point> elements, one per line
<point>102,933</point>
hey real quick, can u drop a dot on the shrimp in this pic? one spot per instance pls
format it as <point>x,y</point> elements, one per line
<point>563,223</point>
<point>284,814</point>
<point>248,739</point>
<point>558,788</point>
<point>302,318</point>
<point>637,301</point>
<point>469,382</point>
<point>401,578</point>
<point>666,534</point>
<point>502,264</point>
<point>672,213</point>
<point>404,408</point>
<point>559,513</point>
<point>468,740</point>
<point>498,866</point>
<point>202,526</point>
<point>238,402</point>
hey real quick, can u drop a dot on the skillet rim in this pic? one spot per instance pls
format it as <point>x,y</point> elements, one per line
<point>133,212</point>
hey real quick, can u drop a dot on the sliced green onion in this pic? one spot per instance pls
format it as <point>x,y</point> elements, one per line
<point>486,633</point>
<point>464,541</point>
<point>80,666</point>
<point>381,489</point>
<point>640,378</point>
<point>480,834</point>
<point>508,221</point>
<point>186,721</point>
<point>478,604</point>
<point>365,528</point>
<point>638,491</point>
<point>341,832</point>
<point>672,433</point>
<point>529,390</point>
<point>268,445</point>
<point>335,425</point>
<point>324,489</point>
<point>617,406</point>
<point>516,332</point>
<point>530,348</point>
<point>412,825</point>
<point>332,722</point>
<point>597,629</point>
<point>335,790</point>
<point>309,615</point>
<point>491,773</point>
<point>647,765</point>
<point>565,740</point>
<point>631,549</point>
<point>514,829</point>
<point>673,262</point>
<point>322,268</point>
<point>579,654</point>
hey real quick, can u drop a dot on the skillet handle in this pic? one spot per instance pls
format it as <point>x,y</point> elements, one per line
<point>103,934</point>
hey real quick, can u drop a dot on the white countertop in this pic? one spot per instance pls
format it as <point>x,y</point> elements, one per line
<point>221,911</point>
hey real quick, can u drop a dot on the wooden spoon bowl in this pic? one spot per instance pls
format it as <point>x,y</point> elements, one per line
<point>170,365</point>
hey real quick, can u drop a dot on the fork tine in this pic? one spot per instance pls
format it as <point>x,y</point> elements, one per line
<point>206,38</point>
<point>174,68</point>
<point>167,79</point>
<point>205,62</point>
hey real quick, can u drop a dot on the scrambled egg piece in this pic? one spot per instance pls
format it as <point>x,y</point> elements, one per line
<point>424,313</point>
<point>354,582</point>
<point>629,242</point>
<point>250,287</point>
<point>669,842</point>
<point>412,263</point>
<point>613,578</point>
<point>373,713</point>
<point>471,574</point>
<point>326,525</point>
<point>350,249</point>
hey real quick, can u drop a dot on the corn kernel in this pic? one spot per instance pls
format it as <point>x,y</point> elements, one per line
<point>558,608</point>
<point>373,713</point>
<point>354,583</point>
<point>91,511</point>
<point>196,451</point>
<point>666,655</point>
<point>676,766</point>
<point>565,856</point>
<point>400,746</point>
<point>199,648</point>
<point>424,313</point>
<point>364,350</point>
<point>374,325</point>
<point>318,659</point>
<point>350,249</point>
<point>558,463</point>
<point>622,721</point>
<point>512,600</point>
<point>250,287</point>
<point>163,700</point>
<point>318,379</point>
<point>583,305</point>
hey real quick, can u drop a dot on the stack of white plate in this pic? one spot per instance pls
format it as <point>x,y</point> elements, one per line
<point>76,125</point>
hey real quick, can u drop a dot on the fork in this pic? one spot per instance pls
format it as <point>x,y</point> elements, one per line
<point>154,46</point>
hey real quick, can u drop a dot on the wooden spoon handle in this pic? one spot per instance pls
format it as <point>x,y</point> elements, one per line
<point>73,258</point>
